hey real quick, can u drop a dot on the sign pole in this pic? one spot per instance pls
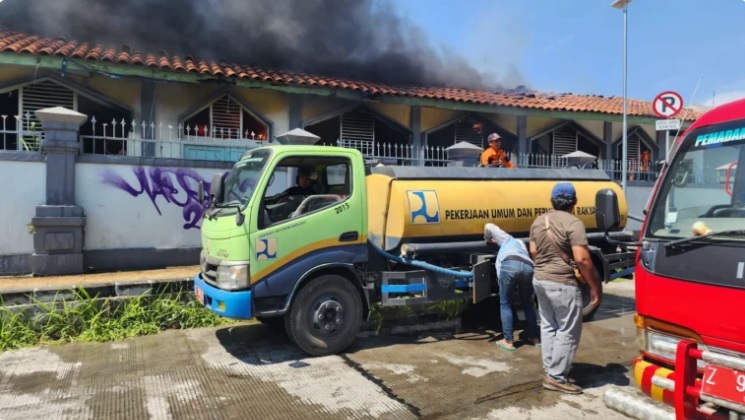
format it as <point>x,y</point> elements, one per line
<point>667,145</point>
<point>625,154</point>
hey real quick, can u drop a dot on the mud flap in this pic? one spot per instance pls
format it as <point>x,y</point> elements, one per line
<point>481,281</point>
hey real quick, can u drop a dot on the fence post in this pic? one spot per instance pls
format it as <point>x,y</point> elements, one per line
<point>58,225</point>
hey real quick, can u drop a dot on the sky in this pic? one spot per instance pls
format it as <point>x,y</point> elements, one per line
<point>577,45</point>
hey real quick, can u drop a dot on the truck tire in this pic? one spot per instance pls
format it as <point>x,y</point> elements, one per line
<point>588,312</point>
<point>326,316</point>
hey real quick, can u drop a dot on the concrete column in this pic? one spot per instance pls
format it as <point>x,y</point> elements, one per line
<point>295,111</point>
<point>608,139</point>
<point>660,154</point>
<point>523,145</point>
<point>58,225</point>
<point>147,109</point>
<point>415,124</point>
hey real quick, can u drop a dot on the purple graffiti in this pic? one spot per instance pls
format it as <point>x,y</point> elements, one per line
<point>167,183</point>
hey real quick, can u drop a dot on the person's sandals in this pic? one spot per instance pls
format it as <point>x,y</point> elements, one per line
<point>503,344</point>
<point>567,388</point>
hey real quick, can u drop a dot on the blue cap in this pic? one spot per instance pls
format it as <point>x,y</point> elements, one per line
<point>564,190</point>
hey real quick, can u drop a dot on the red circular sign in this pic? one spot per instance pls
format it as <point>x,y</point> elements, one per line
<point>667,104</point>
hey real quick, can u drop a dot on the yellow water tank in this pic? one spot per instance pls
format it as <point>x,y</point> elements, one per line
<point>452,204</point>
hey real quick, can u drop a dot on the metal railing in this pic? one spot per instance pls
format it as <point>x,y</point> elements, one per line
<point>151,140</point>
<point>164,141</point>
<point>19,133</point>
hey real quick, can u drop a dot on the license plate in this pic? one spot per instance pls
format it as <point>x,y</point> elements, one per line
<point>727,384</point>
<point>199,294</point>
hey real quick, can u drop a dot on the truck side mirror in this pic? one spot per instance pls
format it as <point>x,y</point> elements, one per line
<point>200,192</point>
<point>607,214</point>
<point>216,188</point>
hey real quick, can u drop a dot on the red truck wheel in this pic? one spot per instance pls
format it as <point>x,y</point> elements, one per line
<point>325,316</point>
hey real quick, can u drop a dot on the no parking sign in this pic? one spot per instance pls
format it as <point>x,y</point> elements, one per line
<point>667,104</point>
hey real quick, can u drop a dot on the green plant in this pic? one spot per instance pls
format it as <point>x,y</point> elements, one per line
<point>376,317</point>
<point>31,144</point>
<point>451,308</point>
<point>90,319</point>
<point>15,330</point>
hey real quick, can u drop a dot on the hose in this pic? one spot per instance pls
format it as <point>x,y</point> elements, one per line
<point>422,264</point>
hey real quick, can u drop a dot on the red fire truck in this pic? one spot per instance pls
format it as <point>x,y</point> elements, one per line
<point>690,277</point>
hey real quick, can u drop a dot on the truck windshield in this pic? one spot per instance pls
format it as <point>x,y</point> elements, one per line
<point>241,183</point>
<point>703,192</point>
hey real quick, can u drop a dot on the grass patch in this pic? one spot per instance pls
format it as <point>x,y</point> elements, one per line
<point>90,319</point>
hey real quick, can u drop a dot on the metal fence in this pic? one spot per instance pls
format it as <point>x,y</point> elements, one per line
<point>151,140</point>
<point>164,141</point>
<point>20,133</point>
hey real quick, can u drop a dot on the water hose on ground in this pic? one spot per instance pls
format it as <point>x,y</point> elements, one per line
<point>422,264</point>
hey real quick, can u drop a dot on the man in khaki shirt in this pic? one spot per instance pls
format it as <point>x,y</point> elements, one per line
<point>556,287</point>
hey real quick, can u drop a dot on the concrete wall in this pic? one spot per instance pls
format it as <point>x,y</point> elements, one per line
<point>140,206</point>
<point>24,187</point>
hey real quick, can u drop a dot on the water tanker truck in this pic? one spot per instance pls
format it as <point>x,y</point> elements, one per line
<point>310,238</point>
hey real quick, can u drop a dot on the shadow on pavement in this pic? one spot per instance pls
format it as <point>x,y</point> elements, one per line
<point>266,344</point>
<point>595,376</point>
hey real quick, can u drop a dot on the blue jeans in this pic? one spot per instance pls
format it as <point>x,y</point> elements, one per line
<point>516,272</point>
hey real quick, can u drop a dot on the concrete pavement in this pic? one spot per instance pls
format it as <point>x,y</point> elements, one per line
<point>248,371</point>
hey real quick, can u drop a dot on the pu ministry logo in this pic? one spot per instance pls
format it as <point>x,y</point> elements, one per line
<point>266,249</point>
<point>424,207</point>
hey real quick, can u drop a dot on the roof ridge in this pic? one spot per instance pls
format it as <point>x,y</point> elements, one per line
<point>517,97</point>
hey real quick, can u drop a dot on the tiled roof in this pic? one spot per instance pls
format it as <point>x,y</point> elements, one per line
<point>21,43</point>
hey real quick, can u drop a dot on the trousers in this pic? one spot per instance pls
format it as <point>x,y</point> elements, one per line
<point>560,310</point>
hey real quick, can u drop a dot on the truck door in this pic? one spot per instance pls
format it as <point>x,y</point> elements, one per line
<point>317,221</point>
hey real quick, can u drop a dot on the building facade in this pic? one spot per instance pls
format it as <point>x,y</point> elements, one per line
<point>152,126</point>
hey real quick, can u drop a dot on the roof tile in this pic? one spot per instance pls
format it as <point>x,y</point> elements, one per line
<point>11,41</point>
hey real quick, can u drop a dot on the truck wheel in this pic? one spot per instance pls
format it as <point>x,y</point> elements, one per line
<point>589,311</point>
<point>325,316</point>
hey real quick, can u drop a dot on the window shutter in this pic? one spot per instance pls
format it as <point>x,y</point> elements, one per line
<point>564,141</point>
<point>358,131</point>
<point>358,126</point>
<point>45,94</point>
<point>633,145</point>
<point>465,132</point>
<point>226,115</point>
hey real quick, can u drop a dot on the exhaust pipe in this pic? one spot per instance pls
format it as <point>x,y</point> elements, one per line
<point>635,407</point>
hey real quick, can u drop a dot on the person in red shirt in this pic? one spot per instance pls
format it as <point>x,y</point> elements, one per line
<point>494,155</point>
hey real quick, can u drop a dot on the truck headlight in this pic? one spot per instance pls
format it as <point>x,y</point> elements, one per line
<point>652,338</point>
<point>232,277</point>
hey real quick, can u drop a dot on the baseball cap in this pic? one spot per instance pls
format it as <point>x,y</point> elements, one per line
<point>493,137</point>
<point>564,190</point>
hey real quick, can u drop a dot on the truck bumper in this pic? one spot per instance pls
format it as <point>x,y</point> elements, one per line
<point>671,394</point>
<point>656,403</point>
<point>636,407</point>
<point>224,303</point>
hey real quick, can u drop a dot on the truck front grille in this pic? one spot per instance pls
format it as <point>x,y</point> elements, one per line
<point>209,273</point>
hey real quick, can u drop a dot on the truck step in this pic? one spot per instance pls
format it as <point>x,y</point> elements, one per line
<point>420,286</point>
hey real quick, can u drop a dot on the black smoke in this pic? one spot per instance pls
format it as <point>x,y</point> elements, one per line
<point>357,39</point>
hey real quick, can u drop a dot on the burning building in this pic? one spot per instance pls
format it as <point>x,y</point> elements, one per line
<point>195,86</point>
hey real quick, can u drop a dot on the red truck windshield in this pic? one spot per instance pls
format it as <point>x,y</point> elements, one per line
<point>703,191</point>
<point>695,228</point>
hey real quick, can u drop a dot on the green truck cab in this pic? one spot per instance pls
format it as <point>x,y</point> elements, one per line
<point>309,237</point>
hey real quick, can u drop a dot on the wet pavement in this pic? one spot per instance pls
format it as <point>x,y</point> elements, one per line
<point>250,371</point>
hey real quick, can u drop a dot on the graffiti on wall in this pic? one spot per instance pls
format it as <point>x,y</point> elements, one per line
<point>174,186</point>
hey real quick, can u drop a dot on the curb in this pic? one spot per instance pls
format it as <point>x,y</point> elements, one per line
<point>124,289</point>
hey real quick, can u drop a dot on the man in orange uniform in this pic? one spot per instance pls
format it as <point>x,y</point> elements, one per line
<point>494,155</point>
